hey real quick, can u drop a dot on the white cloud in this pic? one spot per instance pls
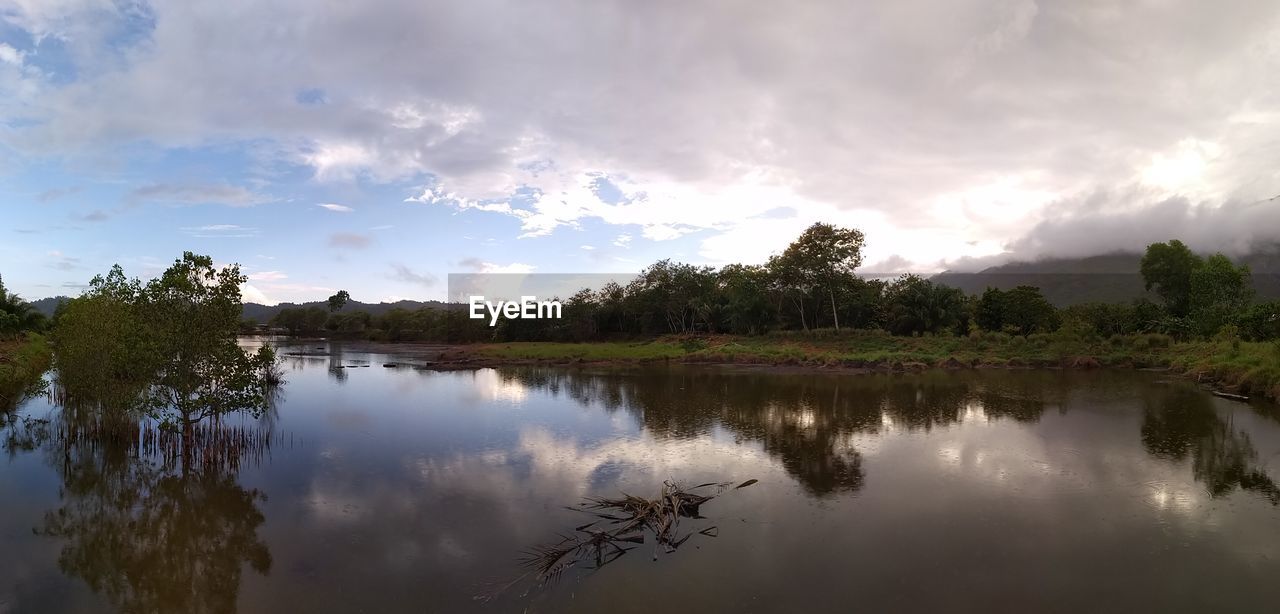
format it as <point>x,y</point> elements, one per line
<point>197,194</point>
<point>267,276</point>
<point>703,116</point>
<point>221,231</point>
<point>480,266</point>
<point>251,294</point>
<point>335,207</point>
<point>9,55</point>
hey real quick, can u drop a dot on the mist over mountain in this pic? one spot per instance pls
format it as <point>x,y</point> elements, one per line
<point>1113,277</point>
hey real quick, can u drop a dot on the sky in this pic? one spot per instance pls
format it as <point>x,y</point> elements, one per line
<point>378,146</point>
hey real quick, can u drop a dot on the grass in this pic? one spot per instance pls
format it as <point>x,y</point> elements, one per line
<point>1247,368</point>
<point>22,363</point>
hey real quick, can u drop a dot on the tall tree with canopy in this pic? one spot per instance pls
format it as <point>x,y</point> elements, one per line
<point>822,255</point>
<point>1167,268</point>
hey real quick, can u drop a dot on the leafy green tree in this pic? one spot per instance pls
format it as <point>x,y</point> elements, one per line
<point>744,290</point>
<point>989,310</point>
<point>1219,291</point>
<point>339,300</point>
<point>1167,268</point>
<point>106,355</point>
<point>167,349</point>
<point>193,312</point>
<point>1260,322</point>
<point>821,257</point>
<point>917,305</point>
<point>1025,311</point>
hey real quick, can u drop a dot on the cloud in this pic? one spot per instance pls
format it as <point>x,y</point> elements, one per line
<point>267,276</point>
<point>51,195</point>
<point>335,207</point>
<point>587,247</point>
<point>221,231</point>
<point>623,240</point>
<point>9,55</point>
<point>197,194</point>
<point>97,215</point>
<point>692,119</point>
<point>480,266</point>
<point>251,294</point>
<point>403,273</point>
<point>350,240</point>
<point>62,262</point>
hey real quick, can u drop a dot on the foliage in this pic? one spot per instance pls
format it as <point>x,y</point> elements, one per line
<point>167,349</point>
<point>339,300</point>
<point>22,367</point>
<point>821,258</point>
<point>1260,322</point>
<point>1167,268</point>
<point>1219,290</point>
<point>916,305</point>
<point>1021,311</point>
<point>17,315</point>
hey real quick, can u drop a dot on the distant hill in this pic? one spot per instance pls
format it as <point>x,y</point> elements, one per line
<point>48,305</point>
<point>264,313</point>
<point>1106,278</point>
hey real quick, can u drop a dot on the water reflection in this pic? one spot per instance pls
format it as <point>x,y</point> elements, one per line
<point>415,488</point>
<point>1178,422</point>
<point>147,528</point>
<point>808,422</point>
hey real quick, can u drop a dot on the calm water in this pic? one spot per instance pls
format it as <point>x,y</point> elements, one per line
<point>397,489</point>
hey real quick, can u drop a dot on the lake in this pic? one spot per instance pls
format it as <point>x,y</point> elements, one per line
<point>383,487</point>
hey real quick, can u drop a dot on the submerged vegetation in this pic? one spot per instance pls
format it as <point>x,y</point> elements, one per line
<point>165,351</point>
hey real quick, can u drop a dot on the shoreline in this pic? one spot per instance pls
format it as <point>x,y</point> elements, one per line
<point>1229,367</point>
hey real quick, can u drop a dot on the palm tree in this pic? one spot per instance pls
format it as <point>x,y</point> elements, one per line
<point>17,315</point>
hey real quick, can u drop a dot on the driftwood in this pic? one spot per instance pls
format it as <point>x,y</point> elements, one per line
<point>620,525</point>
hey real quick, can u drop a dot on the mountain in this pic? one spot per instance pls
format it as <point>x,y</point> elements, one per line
<point>1105,278</point>
<point>48,305</point>
<point>264,313</point>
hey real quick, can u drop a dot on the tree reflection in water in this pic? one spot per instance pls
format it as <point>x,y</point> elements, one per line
<point>809,422</point>
<point>148,531</point>
<point>1179,422</point>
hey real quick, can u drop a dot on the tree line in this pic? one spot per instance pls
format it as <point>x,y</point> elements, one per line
<point>812,285</point>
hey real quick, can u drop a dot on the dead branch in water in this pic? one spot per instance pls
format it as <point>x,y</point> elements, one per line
<point>620,524</point>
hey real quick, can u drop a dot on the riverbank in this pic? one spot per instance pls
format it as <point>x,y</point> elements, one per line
<point>1231,366</point>
<point>22,363</point>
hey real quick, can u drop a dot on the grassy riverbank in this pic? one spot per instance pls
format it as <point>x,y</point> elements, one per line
<point>1246,368</point>
<point>22,363</point>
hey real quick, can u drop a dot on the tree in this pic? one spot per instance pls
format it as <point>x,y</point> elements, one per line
<point>989,311</point>
<point>822,255</point>
<point>1025,311</point>
<point>193,311</point>
<point>1260,322</point>
<point>744,290</point>
<point>917,305</point>
<point>167,349</point>
<point>17,315</point>
<point>1167,268</point>
<point>339,300</point>
<point>1219,290</point>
